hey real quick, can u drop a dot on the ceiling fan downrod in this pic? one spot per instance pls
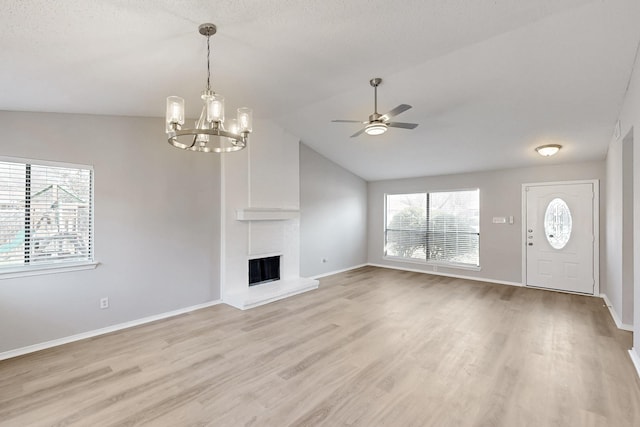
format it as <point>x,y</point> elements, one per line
<point>375,82</point>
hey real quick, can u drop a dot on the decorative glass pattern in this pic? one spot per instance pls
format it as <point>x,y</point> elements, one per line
<point>557,223</point>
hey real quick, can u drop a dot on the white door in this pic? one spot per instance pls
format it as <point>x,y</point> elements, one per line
<point>560,236</point>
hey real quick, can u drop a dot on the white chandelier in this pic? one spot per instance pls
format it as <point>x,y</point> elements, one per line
<point>210,134</point>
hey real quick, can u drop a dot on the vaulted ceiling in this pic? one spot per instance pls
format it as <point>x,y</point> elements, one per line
<point>488,80</point>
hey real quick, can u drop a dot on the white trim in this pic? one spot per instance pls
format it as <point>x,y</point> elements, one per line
<point>223,227</point>
<point>102,331</point>
<point>614,315</point>
<point>635,358</point>
<point>47,269</point>
<point>596,236</point>
<point>331,273</point>
<point>596,227</point>
<point>456,276</point>
<point>551,183</point>
<point>265,255</point>
<point>523,221</point>
<point>39,162</point>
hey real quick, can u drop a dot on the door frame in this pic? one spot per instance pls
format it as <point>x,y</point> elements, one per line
<point>596,228</point>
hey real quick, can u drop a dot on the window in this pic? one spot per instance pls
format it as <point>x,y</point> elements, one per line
<point>46,214</point>
<point>440,227</point>
<point>557,223</point>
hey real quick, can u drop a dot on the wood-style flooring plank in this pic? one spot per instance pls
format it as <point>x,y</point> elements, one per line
<point>370,347</point>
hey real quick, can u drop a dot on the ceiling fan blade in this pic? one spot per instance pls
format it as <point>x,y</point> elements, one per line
<point>399,109</point>
<point>402,125</point>
<point>346,121</point>
<point>357,133</point>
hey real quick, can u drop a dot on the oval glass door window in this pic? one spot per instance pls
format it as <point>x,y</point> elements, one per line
<point>557,223</point>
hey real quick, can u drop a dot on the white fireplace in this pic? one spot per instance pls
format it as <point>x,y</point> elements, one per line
<point>261,217</point>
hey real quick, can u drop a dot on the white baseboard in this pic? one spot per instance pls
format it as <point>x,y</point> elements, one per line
<point>614,315</point>
<point>102,331</point>
<point>635,358</point>
<point>331,273</point>
<point>456,276</point>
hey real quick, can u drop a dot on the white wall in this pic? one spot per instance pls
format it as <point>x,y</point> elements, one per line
<point>157,234</point>
<point>629,123</point>
<point>333,223</point>
<point>500,195</point>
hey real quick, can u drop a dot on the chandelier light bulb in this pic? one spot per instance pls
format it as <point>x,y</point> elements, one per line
<point>215,108</point>
<point>233,126</point>
<point>245,119</point>
<point>175,111</point>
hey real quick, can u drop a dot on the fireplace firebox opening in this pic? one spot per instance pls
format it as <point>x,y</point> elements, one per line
<point>264,270</point>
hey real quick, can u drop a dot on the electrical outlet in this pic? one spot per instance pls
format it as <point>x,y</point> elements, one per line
<point>104,303</point>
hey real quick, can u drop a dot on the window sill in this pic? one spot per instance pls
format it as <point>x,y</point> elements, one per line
<point>433,264</point>
<point>12,273</point>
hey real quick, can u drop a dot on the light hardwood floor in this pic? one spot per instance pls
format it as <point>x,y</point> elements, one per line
<point>371,347</point>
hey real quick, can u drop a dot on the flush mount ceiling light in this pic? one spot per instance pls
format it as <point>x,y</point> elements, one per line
<point>210,133</point>
<point>548,149</point>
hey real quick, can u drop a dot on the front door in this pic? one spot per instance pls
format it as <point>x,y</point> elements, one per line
<point>560,236</point>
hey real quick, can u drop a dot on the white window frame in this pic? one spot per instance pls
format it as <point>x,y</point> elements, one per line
<point>429,262</point>
<point>39,269</point>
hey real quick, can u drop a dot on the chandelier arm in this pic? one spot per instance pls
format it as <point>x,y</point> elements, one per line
<point>195,139</point>
<point>242,136</point>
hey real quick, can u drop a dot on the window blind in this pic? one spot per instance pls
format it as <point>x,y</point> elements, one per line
<point>454,228</point>
<point>440,227</point>
<point>46,214</point>
<point>406,225</point>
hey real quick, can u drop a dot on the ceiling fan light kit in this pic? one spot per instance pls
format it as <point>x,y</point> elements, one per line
<point>375,128</point>
<point>379,123</point>
<point>210,133</point>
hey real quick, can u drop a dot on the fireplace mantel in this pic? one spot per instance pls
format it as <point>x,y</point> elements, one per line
<point>266,214</point>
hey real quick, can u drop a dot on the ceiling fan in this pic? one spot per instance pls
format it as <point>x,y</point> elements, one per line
<point>378,123</point>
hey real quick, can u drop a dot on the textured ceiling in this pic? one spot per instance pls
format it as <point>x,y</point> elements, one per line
<point>488,79</point>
